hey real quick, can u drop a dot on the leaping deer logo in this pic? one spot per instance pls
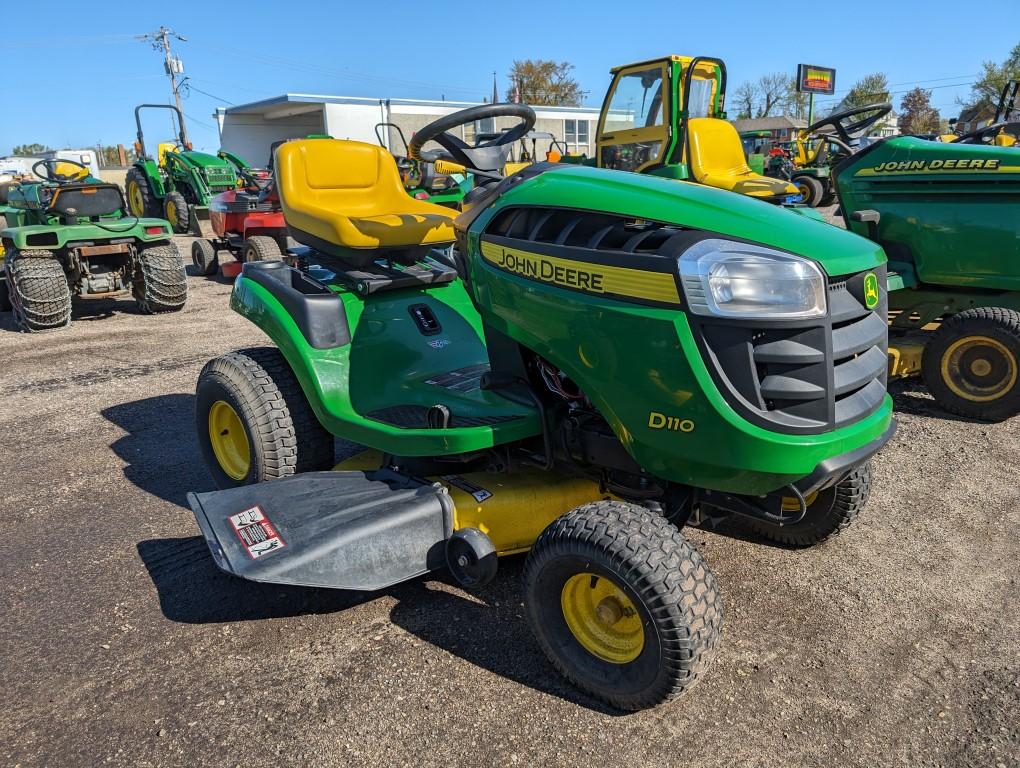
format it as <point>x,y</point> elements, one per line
<point>870,290</point>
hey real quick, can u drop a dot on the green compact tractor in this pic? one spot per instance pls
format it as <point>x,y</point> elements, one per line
<point>69,235</point>
<point>577,366</point>
<point>948,217</point>
<point>179,182</point>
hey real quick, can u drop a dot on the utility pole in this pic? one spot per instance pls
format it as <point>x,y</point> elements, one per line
<point>173,65</point>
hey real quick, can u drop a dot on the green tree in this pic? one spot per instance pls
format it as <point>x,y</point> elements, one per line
<point>984,94</point>
<point>541,81</point>
<point>28,150</point>
<point>917,115</point>
<point>870,89</point>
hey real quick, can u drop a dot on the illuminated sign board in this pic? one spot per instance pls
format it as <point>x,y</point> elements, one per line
<point>812,79</point>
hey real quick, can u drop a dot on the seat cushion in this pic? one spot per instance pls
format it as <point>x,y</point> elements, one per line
<point>717,159</point>
<point>349,194</point>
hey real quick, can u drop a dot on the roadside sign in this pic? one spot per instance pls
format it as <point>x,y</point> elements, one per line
<point>814,79</point>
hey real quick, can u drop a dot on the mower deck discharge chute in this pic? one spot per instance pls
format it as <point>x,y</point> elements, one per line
<point>600,359</point>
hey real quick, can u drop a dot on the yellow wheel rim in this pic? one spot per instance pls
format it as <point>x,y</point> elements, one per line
<point>979,368</point>
<point>602,618</point>
<point>135,199</point>
<point>171,211</point>
<point>792,504</point>
<point>805,191</point>
<point>229,440</point>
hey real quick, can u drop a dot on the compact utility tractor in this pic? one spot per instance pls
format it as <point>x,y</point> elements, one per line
<point>576,366</point>
<point>667,117</point>
<point>823,144</point>
<point>246,221</point>
<point>178,182</point>
<point>948,217</point>
<point>68,235</point>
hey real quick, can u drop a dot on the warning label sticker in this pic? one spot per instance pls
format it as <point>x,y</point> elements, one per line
<point>479,493</point>
<point>256,533</point>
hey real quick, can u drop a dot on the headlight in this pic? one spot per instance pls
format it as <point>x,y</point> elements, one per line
<point>730,279</point>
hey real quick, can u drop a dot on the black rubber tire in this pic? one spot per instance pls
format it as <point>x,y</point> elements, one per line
<point>204,257</point>
<point>38,292</point>
<point>828,198</point>
<point>181,222</point>
<point>284,436</point>
<point>260,248</point>
<point>811,190</point>
<point>662,574</point>
<point>150,205</point>
<point>159,283</point>
<point>831,512</point>
<point>5,297</point>
<point>1002,325</point>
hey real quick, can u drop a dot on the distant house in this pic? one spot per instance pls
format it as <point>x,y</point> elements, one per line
<point>972,118</point>
<point>781,128</point>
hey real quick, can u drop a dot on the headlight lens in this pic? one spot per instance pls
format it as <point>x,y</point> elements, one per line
<point>730,279</point>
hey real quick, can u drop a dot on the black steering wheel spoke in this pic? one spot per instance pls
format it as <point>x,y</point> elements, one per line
<point>488,158</point>
<point>49,164</point>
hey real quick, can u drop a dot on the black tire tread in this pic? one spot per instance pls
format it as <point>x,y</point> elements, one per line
<point>289,437</point>
<point>160,283</point>
<point>817,190</point>
<point>1005,321</point>
<point>262,248</point>
<point>149,201</point>
<point>204,257</point>
<point>653,557</point>
<point>182,222</point>
<point>38,290</point>
<point>844,506</point>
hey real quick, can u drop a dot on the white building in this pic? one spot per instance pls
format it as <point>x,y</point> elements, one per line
<point>248,130</point>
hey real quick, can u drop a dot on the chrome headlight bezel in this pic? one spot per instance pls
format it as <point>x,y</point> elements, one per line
<point>733,279</point>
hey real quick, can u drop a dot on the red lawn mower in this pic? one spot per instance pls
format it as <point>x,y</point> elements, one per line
<point>248,222</point>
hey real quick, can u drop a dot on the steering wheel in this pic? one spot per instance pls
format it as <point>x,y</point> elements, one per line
<point>488,158</point>
<point>982,135</point>
<point>50,165</point>
<point>874,112</point>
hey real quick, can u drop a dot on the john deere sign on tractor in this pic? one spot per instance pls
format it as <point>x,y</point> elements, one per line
<point>178,182</point>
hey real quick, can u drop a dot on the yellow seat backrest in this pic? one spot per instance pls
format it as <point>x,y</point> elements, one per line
<point>715,148</point>
<point>71,171</point>
<point>162,149</point>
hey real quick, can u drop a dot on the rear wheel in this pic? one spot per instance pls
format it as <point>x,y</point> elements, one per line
<point>811,190</point>
<point>972,363</point>
<point>204,257</point>
<point>261,248</point>
<point>829,512</point>
<point>141,202</point>
<point>622,604</point>
<point>175,210</point>
<point>37,289</point>
<point>254,422</point>
<point>159,283</point>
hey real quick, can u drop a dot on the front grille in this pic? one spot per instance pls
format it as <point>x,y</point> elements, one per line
<point>808,376</point>
<point>219,176</point>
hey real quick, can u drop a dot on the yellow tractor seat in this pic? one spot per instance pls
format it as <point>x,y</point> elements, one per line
<point>162,149</point>
<point>717,159</point>
<point>345,198</point>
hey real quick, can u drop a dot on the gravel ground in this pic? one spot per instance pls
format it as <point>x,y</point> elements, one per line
<point>896,644</point>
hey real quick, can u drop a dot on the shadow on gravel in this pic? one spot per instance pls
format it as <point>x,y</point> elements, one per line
<point>911,397</point>
<point>486,628</point>
<point>160,448</point>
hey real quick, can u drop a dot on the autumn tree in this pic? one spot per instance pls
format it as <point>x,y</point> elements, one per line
<point>773,89</point>
<point>541,81</point>
<point>917,115</point>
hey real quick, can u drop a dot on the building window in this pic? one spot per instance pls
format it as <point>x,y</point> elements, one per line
<point>576,135</point>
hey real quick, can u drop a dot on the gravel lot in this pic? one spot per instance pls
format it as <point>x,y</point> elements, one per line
<point>896,644</point>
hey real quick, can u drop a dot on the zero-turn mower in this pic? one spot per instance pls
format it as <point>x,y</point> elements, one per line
<point>179,182</point>
<point>948,217</point>
<point>67,235</point>
<point>576,366</point>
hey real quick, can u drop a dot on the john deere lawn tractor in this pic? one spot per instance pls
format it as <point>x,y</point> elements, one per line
<point>601,359</point>
<point>667,117</point>
<point>68,235</point>
<point>178,182</point>
<point>1004,128</point>
<point>948,217</point>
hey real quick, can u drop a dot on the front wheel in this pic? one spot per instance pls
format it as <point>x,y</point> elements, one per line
<point>811,190</point>
<point>204,257</point>
<point>972,364</point>
<point>622,604</point>
<point>829,512</point>
<point>261,248</point>
<point>175,210</point>
<point>254,422</point>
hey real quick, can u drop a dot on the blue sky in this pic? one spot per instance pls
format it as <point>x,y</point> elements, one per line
<point>77,85</point>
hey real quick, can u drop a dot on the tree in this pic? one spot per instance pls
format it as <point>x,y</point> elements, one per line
<point>28,150</point>
<point>795,103</point>
<point>540,81</point>
<point>917,115</point>
<point>746,98</point>
<point>870,89</point>
<point>984,94</point>
<point>773,89</point>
